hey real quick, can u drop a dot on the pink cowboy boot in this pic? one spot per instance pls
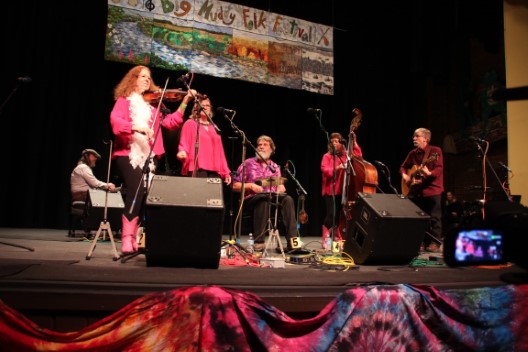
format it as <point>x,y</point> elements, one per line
<point>128,235</point>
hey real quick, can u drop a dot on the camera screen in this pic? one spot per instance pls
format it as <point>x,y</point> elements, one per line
<point>479,246</point>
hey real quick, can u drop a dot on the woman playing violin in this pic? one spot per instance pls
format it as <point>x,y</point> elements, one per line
<point>134,122</point>
<point>208,159</point>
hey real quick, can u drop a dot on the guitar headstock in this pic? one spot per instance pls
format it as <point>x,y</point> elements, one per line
<point>433,157</point>
<point>356,121</point>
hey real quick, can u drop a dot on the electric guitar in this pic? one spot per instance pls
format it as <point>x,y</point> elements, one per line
<point>416,176</point>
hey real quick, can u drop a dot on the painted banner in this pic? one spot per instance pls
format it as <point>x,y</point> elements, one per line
<point>222,39</point>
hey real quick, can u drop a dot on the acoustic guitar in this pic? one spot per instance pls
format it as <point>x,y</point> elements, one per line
<point>416,176</point>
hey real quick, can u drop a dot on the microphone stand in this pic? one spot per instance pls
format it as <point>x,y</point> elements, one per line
<point>146,167</point>
<point>334,178</point>
<point>233,172</point>
<point>334,181</point>
<point>296,181</point>
<point>197,101</point>
<point>484,156</point>
<point>19,83</point>
<point>349,165</point>
<point>17,245</point>
<point>386,172</point>
<point>299,190</point>
<point>196,143</point>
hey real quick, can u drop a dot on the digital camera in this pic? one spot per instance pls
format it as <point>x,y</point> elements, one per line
<point>468,246</point>
<point>495,240</point>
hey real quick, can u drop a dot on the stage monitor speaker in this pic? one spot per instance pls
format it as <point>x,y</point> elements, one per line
<point>184,222</point>
<point>385,229</point>
<point>96,205</point>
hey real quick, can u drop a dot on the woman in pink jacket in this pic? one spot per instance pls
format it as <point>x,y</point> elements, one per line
<point>208,159</point>
<point>334,163</point>
<point>135,122</point>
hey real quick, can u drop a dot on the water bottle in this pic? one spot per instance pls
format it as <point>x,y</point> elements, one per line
<point>328,243</point>
<point>250,246</point>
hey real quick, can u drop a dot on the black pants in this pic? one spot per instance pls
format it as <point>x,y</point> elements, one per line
<point>332,209</point>
<point>433,206</point>
<point>133,189</point>
<point>259,206</point>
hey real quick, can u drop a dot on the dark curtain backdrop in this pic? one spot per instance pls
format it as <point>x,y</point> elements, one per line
<point>385,54</point>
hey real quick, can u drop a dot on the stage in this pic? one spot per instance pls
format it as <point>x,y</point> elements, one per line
<point>45,274</point>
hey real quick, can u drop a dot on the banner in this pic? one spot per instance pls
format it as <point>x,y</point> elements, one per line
<point>221,39</point>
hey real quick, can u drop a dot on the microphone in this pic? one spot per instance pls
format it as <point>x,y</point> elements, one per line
<point>477,139</point>
<point>24,79</point>
<point>380,163</point>
<point>504,166</point>
<point>184,78</point>
<point>313,111</point>
<point>222,110</point>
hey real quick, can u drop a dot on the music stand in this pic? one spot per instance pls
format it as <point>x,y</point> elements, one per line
<point>105,227</point>
<point>273,232</point>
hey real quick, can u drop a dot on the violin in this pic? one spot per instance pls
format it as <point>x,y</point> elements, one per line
<point>171,96</point>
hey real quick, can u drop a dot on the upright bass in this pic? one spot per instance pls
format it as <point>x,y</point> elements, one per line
<point>360,176</point>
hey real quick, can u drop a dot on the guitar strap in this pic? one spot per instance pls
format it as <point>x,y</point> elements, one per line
<point>426,155</point>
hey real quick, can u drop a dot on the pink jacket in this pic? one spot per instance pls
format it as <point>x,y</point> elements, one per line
<point>122,127</point>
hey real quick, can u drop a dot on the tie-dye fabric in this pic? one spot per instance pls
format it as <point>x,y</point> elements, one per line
<point>368,318</point>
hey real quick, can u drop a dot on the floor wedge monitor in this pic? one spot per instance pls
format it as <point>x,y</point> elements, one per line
<point>385,229</point>
<point>184,222</point>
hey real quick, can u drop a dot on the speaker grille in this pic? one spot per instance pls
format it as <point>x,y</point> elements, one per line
<point>186,191</point>
<point>184,222</point>
<point>385,229</point>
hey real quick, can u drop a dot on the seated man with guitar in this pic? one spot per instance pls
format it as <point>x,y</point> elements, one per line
<point>423,182</point>
<point>261,181</point>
